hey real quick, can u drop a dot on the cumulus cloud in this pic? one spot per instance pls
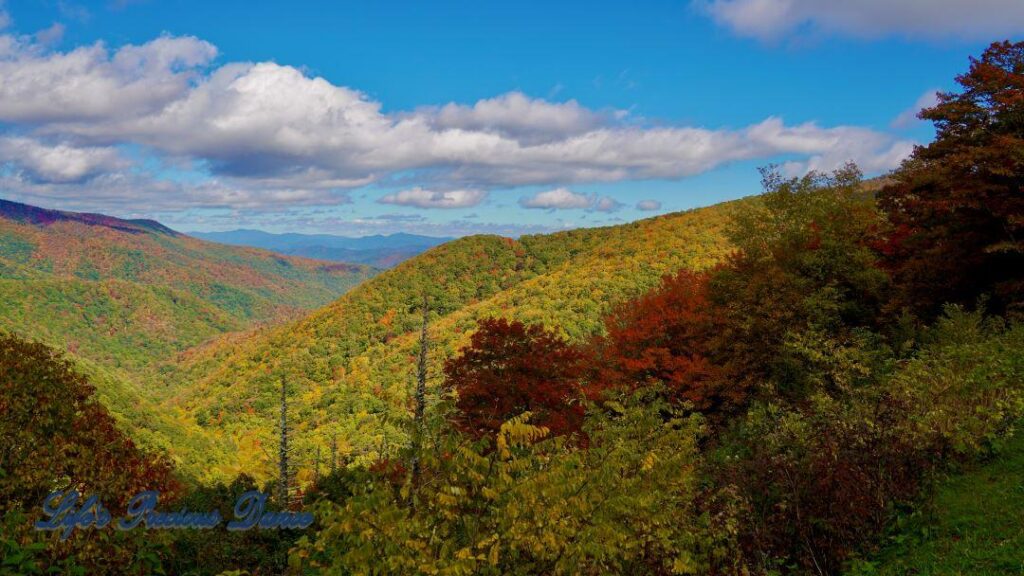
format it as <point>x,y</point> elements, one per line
<point>565,199</point>
<point>648,205</point>
<point>277,133</point>
<point>420,198</point>
<point>909,116</point>
<point>119,192</point>
<point>518,116</point>
<point>607,204</point>
<point>559,199</point>
<point>771,19</point>
<point>828,149</point>
<point>58,162</point>
<point>91,83</point>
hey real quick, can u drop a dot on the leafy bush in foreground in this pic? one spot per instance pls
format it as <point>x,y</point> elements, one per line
<point>517,503</point>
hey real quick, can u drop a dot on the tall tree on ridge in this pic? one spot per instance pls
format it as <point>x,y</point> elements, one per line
<point>316,466</point>
<point>334,452</point>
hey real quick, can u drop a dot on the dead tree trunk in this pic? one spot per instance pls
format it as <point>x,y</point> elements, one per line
<point>334,453</point>
<point>316,467</point>
<point>283,448</point>
<point>420,398</point>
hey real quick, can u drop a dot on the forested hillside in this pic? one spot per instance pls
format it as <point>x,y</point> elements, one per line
<point>124,297</point>
<point>349,364</point>
<point>248,283</point>
<point>123,292</point>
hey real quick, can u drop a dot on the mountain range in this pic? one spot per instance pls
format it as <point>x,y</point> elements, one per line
<point>378,250</point>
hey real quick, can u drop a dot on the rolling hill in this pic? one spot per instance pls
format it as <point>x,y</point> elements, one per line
<point>379,251</point>
<point>123,297</point>
<point>349,365</point>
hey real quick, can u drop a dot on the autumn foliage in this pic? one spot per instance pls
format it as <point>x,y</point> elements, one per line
<point>818,413</point>
<point>665,337</point>
<point>957,206</point>
<point>55,436</point>
<point>510,368</point>
<point>765,411</point>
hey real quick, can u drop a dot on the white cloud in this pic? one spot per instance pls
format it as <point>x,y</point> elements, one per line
<point>518,116</point>
<point>648,205</point>
<point>5,17</point>
<point>90,83</point>
<point>909,116</point>
<point>122,191</point>
<point>58,162</point>
<point>967,19</point>
<point>421,198</point>
<point>826,149</point>
<point>558,199</point>
<point>565,199</point>
<point>276,133</point>
<point>607,204</point>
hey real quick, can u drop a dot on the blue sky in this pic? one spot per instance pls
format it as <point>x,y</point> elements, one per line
<point>451,118</point>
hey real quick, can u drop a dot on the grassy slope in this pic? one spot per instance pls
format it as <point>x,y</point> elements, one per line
<point>976,527</point>
<point>349,365</point>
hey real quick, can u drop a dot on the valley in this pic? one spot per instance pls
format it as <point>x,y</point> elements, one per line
<point>350,365</point>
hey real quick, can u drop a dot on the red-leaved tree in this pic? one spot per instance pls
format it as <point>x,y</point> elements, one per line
<point>665,337</point>
<point>510,368</point>
<point>957,206</point>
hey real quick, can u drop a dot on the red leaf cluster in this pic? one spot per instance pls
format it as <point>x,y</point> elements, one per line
<point>665,337</point>
<point>957,206</point>
<point>510,368</point>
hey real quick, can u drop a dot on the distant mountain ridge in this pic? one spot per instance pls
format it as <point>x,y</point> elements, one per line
<point>378,250</point>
